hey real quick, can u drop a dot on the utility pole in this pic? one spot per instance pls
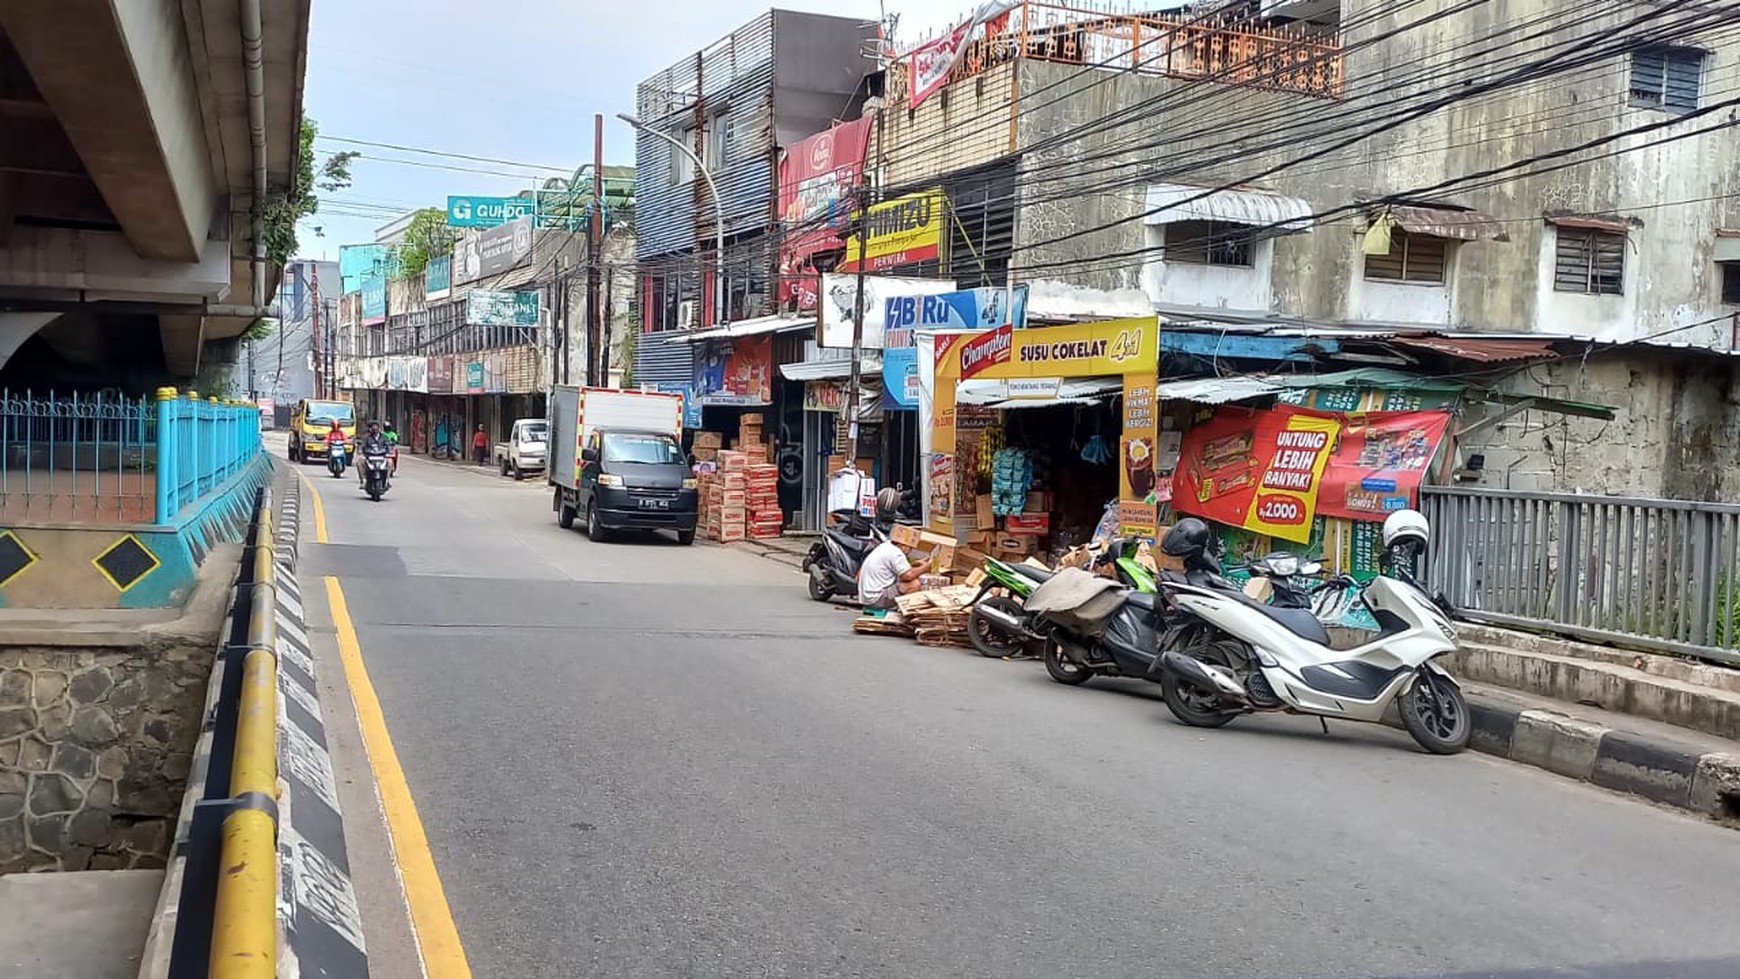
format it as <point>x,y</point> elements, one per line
<point>595,238</point>
<point>319,365</point>
<point>854,386</point>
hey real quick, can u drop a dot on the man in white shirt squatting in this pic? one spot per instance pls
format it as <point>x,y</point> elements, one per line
<point>887,574</point>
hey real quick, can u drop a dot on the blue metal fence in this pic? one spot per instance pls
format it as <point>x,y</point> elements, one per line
<point>111,458</point>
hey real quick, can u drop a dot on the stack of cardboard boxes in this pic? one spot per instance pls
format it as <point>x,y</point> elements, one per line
<point>1018,537</point>
<point>750,440</point>
<point>766,519</point>
<point>707,445</point>
<point>919,543</point>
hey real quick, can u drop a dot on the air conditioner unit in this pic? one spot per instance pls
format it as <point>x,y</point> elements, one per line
<point>686,315</point>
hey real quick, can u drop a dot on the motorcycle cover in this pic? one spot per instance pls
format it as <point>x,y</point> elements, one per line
<point>1077,600</point>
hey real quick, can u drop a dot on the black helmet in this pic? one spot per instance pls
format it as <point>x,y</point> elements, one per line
<point>1187,537</point>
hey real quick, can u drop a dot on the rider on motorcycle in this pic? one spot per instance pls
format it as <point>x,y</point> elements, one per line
<point>372,442</point>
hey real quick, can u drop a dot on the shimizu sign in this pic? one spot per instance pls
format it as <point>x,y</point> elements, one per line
<point>1033,362</point>
<point>899,232</point>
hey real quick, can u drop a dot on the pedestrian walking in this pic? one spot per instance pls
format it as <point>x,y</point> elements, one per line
<point>480,446</point>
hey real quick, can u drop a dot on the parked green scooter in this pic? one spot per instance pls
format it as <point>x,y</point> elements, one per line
<point>998,625</point>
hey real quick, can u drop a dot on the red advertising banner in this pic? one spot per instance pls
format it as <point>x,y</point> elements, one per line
<point>1259,470</point>
<point>817,175</point>
<point>1380,462</point>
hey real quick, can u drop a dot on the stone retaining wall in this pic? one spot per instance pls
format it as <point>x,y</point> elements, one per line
<point>95,747</point>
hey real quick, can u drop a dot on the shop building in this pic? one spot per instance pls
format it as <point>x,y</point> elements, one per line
<point>734,104</point>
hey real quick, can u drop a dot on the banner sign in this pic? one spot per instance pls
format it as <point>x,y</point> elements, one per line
<point>839,306</point>
<point>474,377</point>
<point>1262,470</point>
<point>899,232</point>
<point>817,176</point>
<point>735,372</point>
<point>1138,484</point>
<point>441,374</point>
<point>1081,350</point>
<point>968,309</point>
<point>484,307</point>
<point>438,277</point>
<point>900,376</point>
<point>493,251</point>
<point>930,63</point>
<point>691,404</point>
<point>374,300</point>
<point>486,212</point>
<point>1380,462</point>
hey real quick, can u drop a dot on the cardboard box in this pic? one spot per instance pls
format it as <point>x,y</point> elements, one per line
<point>982,540</point>
<point>906,535</point>
<point>733,499</point>
<point>1039,501</point>
<point>749,418</point>
<point>732,461</point>
<point>1015,545</point>
<point>984,516</point>
<point>736,480</point>
<point>728,534</point>
<point>1036,524</point>
<point>705,453</point>
<point>709,440</point>
<point>971,559</point>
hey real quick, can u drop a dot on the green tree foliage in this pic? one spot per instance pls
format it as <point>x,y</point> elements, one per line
<point>427,236</point>
<point>282,211</point>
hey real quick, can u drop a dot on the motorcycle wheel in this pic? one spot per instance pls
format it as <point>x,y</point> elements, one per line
<point>1200,708</point>
<point>1063,669</point>
<point>820,590</point>
<point>374,494</point>
<point>1435,713</point>
<point>986,636</point>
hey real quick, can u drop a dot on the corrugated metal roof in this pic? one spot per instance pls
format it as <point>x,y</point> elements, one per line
<point>752,327</point>
<point>817,370</point>
<point>1481,349</point>
<point>1217,390</point>
<point>1259,208</point>
<point>1440,222</point>
<point>512,279</point>
<point>1590,224</point>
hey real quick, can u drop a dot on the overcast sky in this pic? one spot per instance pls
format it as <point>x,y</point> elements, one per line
<point>514,80</point>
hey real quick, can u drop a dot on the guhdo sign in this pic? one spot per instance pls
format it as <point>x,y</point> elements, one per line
<point>487,212</point>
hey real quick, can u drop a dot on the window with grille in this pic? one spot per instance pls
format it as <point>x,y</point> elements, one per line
<point>1731,283</point>
<point>1209,243</point>
<point>1590,261</point>
<point>1667,78</point>
<point>1414,259</point>
<point>719,134</point>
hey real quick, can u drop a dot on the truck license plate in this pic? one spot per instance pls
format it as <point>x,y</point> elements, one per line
<point>655,504</point>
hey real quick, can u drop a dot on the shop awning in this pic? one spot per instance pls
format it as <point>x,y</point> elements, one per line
<point>1443,222</point>
<point>1217,390</point>
<point>1171,203</point>
<point>820,370</point>
<point>1040,392</point>
<point>1480,349</point>
<point>753,327</point>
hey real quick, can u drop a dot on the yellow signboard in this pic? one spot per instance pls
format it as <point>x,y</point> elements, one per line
<point>1084,350</point>
<point>899,232</point>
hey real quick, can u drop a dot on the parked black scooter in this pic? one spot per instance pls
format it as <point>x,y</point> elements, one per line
<point>833,562</point>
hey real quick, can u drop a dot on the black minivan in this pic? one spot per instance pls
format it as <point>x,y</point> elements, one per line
<point>633,479</point>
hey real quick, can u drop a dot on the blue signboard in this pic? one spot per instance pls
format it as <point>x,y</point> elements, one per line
<point>487,212</point>
<point>438,277</point>
<point>900,376</point>
<point>969,309</point>
<point>374,299</point>
<point>691,404</point>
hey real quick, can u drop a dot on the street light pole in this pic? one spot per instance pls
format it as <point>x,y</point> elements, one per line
<point>718,207</point>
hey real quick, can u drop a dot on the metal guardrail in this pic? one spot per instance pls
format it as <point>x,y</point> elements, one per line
<point>227,919</point>
<point>1655,574</point>
<point>111,458</point>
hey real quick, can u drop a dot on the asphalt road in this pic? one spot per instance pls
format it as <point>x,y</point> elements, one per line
<point>639,759</point>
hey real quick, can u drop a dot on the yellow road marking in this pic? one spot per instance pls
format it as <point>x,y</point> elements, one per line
<point>319,509</point>
<point>431,918</point>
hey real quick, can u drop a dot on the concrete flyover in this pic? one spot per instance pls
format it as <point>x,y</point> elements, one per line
<point>136,139</point>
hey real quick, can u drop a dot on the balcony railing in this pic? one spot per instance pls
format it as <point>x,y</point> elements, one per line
<point>1288,59</point>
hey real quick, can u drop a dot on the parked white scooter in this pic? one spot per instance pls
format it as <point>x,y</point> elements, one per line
<point>1253,659</point>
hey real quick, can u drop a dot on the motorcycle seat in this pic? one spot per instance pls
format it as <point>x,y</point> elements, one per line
<point>1299,621</point>
<point>1147,601</point>
<point>852,545</point>
<point>1031,573</point>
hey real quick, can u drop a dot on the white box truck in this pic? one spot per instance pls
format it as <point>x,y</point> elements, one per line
<point>617,462</point>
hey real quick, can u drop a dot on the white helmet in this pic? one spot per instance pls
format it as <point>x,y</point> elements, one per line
<point>1406,525</point>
